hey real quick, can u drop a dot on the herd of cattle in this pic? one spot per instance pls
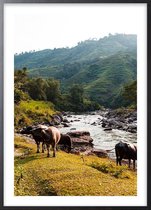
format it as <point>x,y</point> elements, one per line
<point>48,136</point>
<point>52,136</point>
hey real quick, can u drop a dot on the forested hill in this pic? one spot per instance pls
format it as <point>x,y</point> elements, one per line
<point>102,66</point>
<point>84,51</point>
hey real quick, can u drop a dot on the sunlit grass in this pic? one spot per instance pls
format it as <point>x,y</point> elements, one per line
<point>69,174</point>
<point>29,112</point>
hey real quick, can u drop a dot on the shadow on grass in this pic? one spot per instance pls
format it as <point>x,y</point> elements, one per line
<point>48,192</point>
<point>46,188</point>
<point>23,159</point>
<point>117,172</point>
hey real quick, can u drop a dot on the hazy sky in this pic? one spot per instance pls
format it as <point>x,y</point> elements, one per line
<point>44,26</point>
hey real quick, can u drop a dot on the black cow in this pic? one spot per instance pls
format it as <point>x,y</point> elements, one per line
<point>38,139</point>
<point>66,141</point>
<point>125,151</point>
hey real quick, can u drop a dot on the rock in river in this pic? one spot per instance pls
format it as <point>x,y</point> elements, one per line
<point>82,142</point>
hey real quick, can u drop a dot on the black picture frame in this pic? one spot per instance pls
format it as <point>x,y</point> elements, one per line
<point>2,105</point>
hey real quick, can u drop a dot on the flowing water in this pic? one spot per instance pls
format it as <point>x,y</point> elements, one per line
<point>101,139</point>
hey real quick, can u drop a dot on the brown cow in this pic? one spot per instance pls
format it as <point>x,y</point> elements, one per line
<point>46,135</point>
<point>125,151</point>
<point>51,136</point>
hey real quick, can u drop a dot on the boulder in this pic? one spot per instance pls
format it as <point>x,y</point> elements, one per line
<point>94,123</point>
<point>79,133</point>
<point>100,152</point>
<point>65,124</point>
<point>81,140</point>
<point>132,128</point>
<point>104,124</point>
<point>65,120</point>
<point>123,119</point>
<point>72,129</point>
<point>107,129</point>
<point>83,143</point>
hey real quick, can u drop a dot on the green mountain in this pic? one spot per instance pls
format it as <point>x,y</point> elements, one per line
<point>103,66</point>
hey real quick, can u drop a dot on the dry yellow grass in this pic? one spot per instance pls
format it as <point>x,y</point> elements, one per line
<point>69,174</point>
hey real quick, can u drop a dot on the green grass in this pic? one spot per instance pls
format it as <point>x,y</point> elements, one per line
<point>110,168</point>
<point>103,66</point>
<point>30,112</point>
<point>69,174</point>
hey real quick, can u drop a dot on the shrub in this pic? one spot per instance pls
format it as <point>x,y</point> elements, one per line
<point>116,171</point>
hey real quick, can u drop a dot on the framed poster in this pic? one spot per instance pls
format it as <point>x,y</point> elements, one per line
<point>75,75</point>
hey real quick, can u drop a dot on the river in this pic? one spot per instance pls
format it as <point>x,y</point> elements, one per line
<point>101,139</point>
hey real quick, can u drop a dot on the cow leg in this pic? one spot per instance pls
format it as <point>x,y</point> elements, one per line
<point>68,149</point>
<point>43,147</point>
<point>38,146</point>
<point>117,160</point>
<point>129,163</point>
<point>120,161</point>
<point>48,150</point>
<point>134,164</point>
<point>54,150</point>
<point>57,148</point>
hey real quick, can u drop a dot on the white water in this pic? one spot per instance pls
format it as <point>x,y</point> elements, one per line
<point>101,139</point>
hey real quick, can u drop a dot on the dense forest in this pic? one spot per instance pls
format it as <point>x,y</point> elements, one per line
<point>102,68</point>
<point>93,74</point>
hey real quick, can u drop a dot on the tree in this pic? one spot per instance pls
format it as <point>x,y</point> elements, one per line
<point>130,93</point>
<point>53,90</point>
<point>76,94</point>
<point>20,83</point>
<point>127,96</point>
<point>20,79</point>
<point>37,89</point>
<point>76,97</point>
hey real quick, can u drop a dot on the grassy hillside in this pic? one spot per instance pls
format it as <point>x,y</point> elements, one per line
<point>103,80</point>
<point>30,112</point>
<point>102,66</point>
<point>115,71</point>
<point>68,174</point>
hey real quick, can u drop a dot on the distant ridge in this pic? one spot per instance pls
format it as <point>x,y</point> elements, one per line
<point>103,66</point>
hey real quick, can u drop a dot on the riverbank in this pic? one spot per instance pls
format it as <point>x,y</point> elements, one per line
<point>69,174</point>
<point>121,119</point>
<point>92,122</point>
<point>102,137</point>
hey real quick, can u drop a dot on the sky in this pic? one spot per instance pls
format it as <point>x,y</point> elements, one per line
<point>49,26</point>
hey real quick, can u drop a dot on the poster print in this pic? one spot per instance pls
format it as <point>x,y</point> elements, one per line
<point>76,108</point>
